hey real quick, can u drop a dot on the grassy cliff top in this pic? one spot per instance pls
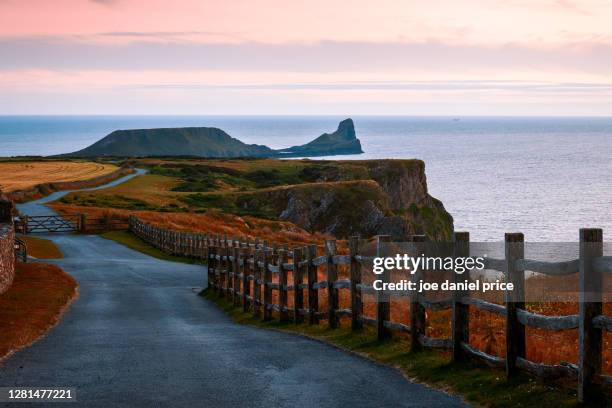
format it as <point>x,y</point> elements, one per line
<point>338,198</point>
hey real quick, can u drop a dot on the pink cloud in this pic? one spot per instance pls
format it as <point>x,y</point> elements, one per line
<point>278,21</point>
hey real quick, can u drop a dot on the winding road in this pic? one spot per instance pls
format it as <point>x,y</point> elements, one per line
<point>139,336</point>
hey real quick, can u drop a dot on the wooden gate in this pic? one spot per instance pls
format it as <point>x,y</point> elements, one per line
<point>50,223</point>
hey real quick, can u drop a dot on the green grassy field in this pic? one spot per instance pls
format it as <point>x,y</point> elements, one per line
<point>479,385</point>
<point>133,242</point>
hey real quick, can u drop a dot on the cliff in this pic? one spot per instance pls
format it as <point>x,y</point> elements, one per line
<point>344,198</point>
<point>213,142</point>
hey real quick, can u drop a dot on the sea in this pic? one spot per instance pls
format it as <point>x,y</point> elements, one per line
<point>544,176</point>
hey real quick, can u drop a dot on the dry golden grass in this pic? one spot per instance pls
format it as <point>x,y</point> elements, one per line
<point>33,304</point>
<point>22,175</point>
<point>150,188</point>
<point>211,222</point>
<point>41,248</point>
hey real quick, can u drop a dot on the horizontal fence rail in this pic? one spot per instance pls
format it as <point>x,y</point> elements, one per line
<point>32,224</point>
<point>251,272</point>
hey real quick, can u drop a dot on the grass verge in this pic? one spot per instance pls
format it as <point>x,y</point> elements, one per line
<point>479,385</point>
<point>133,242</point>
<point>41,248</point>
<point>33,304</point>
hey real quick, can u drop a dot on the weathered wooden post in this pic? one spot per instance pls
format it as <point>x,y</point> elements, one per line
<point>383,307</point>
<point>355,269</point>
<point>590,338</point>
<point>26,227</point>
<point>218,253</point>
<point>298,293</point>
<point>267,281</point>
<point>313,293</point>
<point>515,299</point>
<point>231,271</point>
<point>282,285</point>
<point>256,283</point>
<point>332,277</point>
<point>212,265</point>
<point>228,267</point>
<point>82,223</point>
<point>236,297</point>
<point>246,286</point>
<point>461,312</point>
<point>223,267</point>
<point>418,318</point>
<point>208,267</point>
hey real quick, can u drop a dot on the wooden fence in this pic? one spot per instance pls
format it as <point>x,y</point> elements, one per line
<point>243,271</point>
<point>31,224</point>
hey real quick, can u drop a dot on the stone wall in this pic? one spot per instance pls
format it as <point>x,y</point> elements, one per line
<point>7,256</point>
<point>7,245</point>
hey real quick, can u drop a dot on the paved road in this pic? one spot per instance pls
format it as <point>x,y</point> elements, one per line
<point>139,336</point>
<point>37,207</point>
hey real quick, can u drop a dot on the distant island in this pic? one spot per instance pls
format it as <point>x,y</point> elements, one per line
<point>214,143</point>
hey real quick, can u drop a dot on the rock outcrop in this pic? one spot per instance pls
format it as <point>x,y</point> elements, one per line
<point>391,199</point>
<point>342,141</point>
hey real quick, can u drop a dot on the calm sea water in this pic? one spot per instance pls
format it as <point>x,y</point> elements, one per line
<point>546,177</point>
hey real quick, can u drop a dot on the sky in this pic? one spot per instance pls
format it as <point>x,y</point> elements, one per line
<point>383,57</point>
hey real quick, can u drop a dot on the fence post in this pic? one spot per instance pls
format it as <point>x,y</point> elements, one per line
<point>82,222</point>
<point>218,253</point>
<point>461,312</point>
<point>282,285</point>
<point>418,319</point>
<point>313,293</point>
<point>208,266</point>
<point>355,268</point>
<point>267,312</point>
<point>235,279</point>
<point>228,267</point>
<point>383,309</point>
<point>223,268</point>
<point>589,338</point>
<point>515,299</point>
<point>211,267</point>
<point>298,293</point>
<point>245,279</point>
<point>231,276</point>
<point>257,284</point>
<point>332,276</point>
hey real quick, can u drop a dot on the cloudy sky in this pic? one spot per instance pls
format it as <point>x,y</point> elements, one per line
<point>435,57</point>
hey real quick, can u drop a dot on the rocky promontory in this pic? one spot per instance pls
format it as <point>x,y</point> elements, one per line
<point>212,142</point>
<point>342,141</point>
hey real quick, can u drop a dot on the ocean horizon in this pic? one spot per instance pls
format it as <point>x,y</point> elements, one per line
<point>543,176</point>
